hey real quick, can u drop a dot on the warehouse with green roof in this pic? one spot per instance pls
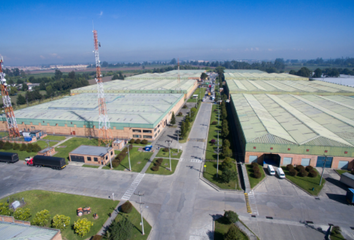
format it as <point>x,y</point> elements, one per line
<point>131,115</point>
<point>293,122</point>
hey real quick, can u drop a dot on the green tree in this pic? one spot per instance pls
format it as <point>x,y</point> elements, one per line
<point>230,217</point>
<point>233,233</point>
<point>120,230</point>
<point>16,146</point>
<point>82,226</point>
<point>225,131</point>
<point>226,151</point>
<point>8,146</point>
<point>318,73</point>
<point>115,77</point>
<point>193,112</point>
<point>41,219</point>
<point>21,100</point>
<point>13,91</point>
<point>22,214</point>
<point>5,210</point>
<point>228,175</point>
<point>204,76</point>
<point>49,90</point>
<point>24,87</point>
<point>173,119</point>
<point>60,222</point>
<point>23,147</point>
<point>183,129</point>
<point>58,74</point>
<point>173,61</point>
<point>226,143</point>
<point>227,163</point>
<point>29,147</point>
<point>42,85</point>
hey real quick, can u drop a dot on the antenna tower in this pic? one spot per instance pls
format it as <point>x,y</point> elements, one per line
<point>104,133</point>
<point>178,72</point>
<point>9,112</point>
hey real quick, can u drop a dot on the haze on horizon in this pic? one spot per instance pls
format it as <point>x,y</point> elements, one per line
<point>47,32</point>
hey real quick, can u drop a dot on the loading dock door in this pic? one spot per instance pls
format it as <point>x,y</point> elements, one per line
<point>321,160</point>
<point>343,164</point>
<point>287,161</point>
<point>253,159</point>
<point>77,158</point>
<point>305,161</point>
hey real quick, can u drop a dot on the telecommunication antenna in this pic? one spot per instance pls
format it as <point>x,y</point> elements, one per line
<point>104,132</point>
<point>9,112</point>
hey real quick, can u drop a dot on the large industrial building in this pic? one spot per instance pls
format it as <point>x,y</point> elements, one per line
<point>281,121</point>
<point>131,115</point>
<point>170,75</point>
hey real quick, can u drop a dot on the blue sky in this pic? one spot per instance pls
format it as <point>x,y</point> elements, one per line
<point>44,32</point>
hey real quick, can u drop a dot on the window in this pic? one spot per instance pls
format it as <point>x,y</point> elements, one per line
<point>147,136</point>
<point>106,157</point>
<point>252,159</point>
<point>155,134</point>
<point>136,130</point>
<point>111,153</point>
<point>136,136</point>
<point>147,131</point>
<point>95,159</point>
<point>88,158</point>
<point>287,160</point>
<point>158,131</point>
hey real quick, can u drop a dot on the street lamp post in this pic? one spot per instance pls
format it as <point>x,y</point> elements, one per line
<point>141,213</point>
<point>169,152</point>
<point>130,167</point>
<point>324,163</point>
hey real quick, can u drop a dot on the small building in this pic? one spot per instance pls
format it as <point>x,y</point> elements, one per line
<point>118,144</point>
<point>49,151</point>
<point>31,134</point>
<point>92,154</point>
<point>11,228</point>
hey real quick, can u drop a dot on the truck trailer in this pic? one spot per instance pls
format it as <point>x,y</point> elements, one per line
<point>347,179</point>
<point>8,157</point>
<point>46,161</point>
<point>350,195</point>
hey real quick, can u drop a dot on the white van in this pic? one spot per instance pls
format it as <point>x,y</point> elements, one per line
<point>271,170</point>
<point>280,172</point>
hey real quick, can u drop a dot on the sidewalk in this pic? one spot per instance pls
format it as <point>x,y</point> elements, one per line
<point>62,142</point>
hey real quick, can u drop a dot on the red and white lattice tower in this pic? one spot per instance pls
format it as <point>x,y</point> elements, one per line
<point>104,132</point>
<point>9,112</point>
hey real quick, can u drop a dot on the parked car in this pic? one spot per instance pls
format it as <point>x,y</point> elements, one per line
<point>280,172</point>
<point>271,170</point>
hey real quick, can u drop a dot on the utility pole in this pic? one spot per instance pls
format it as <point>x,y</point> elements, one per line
<point>323,169</point>
<point>141,212</point>
<point>130,167</point>
<point>169,152</point>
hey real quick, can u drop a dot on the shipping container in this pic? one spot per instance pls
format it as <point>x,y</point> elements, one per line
<point>347,179</point>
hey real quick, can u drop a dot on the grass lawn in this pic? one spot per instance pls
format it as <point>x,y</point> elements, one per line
<point>73,143</point>
<point>56,138</point>
<point>174,153</point>
<point>306,183</point>
<point>340,171</point>
<point>4,134</point>
<point>210,152</point>
<point>163,168</point>
<point>140,144</point>
<point>137,161</point>
<point>43,144</point>
<point>200,92</point>
<point>210,174</point>
<point>221,229</point>
<point>67,204</point>
<point>90,166</point>
<point>254,181</point>
<point>135,218</point>
<point>336,236</point>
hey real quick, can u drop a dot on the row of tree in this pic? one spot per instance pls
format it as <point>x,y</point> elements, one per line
<point>30,147</point>
<point>327,72</point>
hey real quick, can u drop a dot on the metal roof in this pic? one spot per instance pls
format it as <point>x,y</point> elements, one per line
<point>140,86</point>
<point>91,150</point>
<point>297,120</point>
<point>259,75</point>
<point>124,110</point>
<point>15,231</point>
<point>169,75</point>
<point>287,86</point>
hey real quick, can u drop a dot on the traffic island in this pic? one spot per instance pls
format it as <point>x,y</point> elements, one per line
<point>175,153</point>
<point>209,173</point>
<point>138,159</point>
<point>66,204</point>
<point>252,176</point>
<point>163,168</point>
<point>308,184</point>
<point>222,228</point>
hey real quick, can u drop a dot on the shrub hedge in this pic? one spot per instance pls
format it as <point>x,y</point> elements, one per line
<point>303,173</point>
<point>126,207</point>
<point>289,167</point>
<point>293,172</point>
<point>309,168</point>
<point>313,173</point>
<point>257,174</point>
<point>155,168</point>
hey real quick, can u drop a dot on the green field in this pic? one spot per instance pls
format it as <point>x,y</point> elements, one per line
<point>135,218</point>
<point>137,161</point>
<point>163,168</point>
<point>72,144</point>
<point>200,92</point>
<point>210,151</point>
<point>174,153</point>
<point>254,181</point>
<point>210,174</point>
<point>56,138</point>
<point>221,229</point>
<point>43,144</point>
<point>67,204</point>
<point>306,183</point>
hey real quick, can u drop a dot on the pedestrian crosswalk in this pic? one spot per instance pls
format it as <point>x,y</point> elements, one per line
<point>133,187</point>
<point>196,160</point>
